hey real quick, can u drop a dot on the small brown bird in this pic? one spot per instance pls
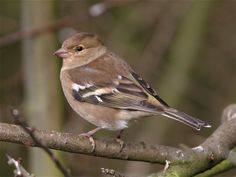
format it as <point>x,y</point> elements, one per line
<point>103,89</point>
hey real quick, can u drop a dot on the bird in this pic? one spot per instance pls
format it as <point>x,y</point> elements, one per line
<point>103,89</point>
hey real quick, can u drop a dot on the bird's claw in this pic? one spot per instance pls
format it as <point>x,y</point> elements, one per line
<point>91,140</point>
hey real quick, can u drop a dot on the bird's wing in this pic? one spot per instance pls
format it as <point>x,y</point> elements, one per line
<point>148,89</point>
<point>131,93</point>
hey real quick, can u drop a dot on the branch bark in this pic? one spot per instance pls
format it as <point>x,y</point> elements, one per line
<point>80,144</point>
<point>183,162</point>
<point>215,149</point>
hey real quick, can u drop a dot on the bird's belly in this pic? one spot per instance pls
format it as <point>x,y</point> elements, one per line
<point>100,116</point>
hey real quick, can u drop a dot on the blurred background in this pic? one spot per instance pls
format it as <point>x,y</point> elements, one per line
<point>186,49</point>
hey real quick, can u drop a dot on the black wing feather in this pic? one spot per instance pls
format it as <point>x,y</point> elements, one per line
<point>149,89</point>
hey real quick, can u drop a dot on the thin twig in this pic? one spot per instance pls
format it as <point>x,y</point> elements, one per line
<point>20,121</point>
<point>19,170</point>
<point>19,35</point>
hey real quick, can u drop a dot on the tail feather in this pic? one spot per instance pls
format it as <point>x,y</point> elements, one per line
<point>186,119</point>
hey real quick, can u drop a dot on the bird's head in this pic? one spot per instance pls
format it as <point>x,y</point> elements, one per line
<point>80,49</point>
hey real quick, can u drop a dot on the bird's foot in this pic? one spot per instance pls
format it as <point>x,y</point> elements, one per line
<point>89,136</point>
<point>91,140</point>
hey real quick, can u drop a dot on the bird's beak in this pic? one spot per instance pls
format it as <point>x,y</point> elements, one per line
<point>63,53</point>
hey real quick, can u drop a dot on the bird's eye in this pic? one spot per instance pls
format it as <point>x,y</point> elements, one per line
<point>79,48</point>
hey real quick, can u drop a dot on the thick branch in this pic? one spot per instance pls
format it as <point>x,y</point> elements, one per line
<point>104,148</point>
<point>217,145</point>
<point>215,149</point>
<point>221,167</point>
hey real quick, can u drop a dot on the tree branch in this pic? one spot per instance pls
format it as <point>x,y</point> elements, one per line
<point>223,166</point>
<point>184,162</point>
<point>215,149</point>
<point>79,144</point>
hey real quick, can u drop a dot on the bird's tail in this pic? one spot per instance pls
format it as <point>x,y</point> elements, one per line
<point>184,118</point>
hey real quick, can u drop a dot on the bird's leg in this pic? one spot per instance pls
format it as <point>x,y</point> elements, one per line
<point>92,132</point>
<point>119,140</point>
<point>89,136</point>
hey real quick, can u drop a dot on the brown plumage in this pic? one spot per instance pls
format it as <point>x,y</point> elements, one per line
<point>104,90</point>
